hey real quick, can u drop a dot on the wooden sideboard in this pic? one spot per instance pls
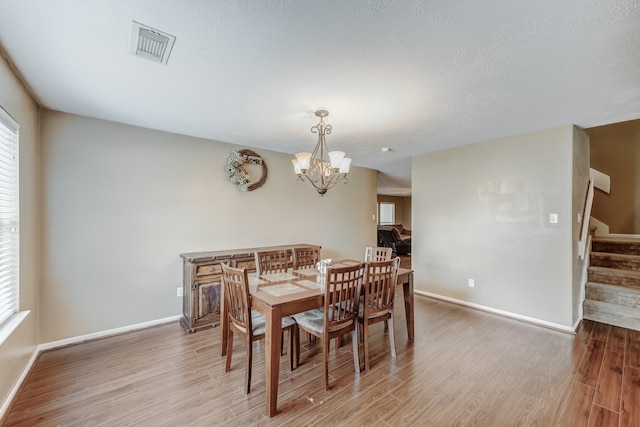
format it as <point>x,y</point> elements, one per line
<point>201,279</point>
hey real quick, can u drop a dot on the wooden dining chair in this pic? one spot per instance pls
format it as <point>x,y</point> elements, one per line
<point>339,314</point>
<point>377,253</point>
<point>378,291</point>
<point>248,324</point>
<point>306,257</point>
<point>272,261</point>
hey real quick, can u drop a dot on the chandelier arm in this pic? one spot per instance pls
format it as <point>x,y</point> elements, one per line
<point>323,188</point>
<point>325,182</point>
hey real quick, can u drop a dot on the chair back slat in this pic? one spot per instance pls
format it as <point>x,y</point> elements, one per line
<point>377,253</point>
<point>342,295</point>
<point>306,257</point>
<point>272,261</point>
<point>236,294</point>
<point>379,285</point>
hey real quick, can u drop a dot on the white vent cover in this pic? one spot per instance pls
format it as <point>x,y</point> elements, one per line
<point>149,43</point>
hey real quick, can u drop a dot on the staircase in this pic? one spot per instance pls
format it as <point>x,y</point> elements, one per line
<point>612,294</point>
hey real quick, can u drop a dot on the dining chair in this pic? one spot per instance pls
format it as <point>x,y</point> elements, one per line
<point>378,290</point>
<point>338,316</point>
<point>248,324</point>
<point>306,257</point>
<point>272,261</point>
<point>377,253</point>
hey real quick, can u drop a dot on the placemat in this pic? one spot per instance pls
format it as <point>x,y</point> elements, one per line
<point>307,271</point>
<point>309,284</point>
<point>346,264</point>
<point>253,280</point>
<point>274,277</point>
<point>282,289</point>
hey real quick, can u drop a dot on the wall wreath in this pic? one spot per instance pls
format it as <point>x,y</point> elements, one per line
<point>239,175</point>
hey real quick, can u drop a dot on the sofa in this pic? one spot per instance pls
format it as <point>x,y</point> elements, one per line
<point>390,237</point>
<point>403,231</point>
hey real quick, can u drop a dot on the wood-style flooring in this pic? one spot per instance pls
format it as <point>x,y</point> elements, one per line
<point>465,367</point>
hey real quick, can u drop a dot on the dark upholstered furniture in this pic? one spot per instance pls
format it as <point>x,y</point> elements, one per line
<point>389,237</point>
<point>403,231</point>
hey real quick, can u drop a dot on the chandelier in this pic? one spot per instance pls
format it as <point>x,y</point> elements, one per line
<point>323,169</point>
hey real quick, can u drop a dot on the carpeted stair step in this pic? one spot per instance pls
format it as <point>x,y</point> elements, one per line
<point>612,314</point>
<point>618,245</point>
<point>613,294</point>
<point>614,276</point>
<point>614,260</point>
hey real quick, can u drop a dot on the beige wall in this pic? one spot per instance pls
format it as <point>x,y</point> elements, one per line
<point>615,151</point>
<point>482,212</point>
<point>18,349</point>
<point>120,203</point>
<point>403,208</point>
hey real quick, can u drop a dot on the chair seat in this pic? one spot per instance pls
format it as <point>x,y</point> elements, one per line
<point>258,322</point>
<point>372,315</point>
<point>313,320</point>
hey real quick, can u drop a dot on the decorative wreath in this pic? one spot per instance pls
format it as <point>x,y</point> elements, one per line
<point>239,175</point>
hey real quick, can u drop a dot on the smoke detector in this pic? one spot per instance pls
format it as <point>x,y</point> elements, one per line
<point>151,44</point>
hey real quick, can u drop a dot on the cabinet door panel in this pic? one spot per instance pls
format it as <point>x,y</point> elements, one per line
<point>208,299</point>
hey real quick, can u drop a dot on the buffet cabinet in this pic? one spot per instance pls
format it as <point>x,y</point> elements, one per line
<point>202,279</point>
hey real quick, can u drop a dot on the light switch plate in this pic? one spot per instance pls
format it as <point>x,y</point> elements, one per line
<point>553,218</point>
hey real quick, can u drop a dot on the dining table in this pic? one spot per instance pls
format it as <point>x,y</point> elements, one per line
<point>276,295</point>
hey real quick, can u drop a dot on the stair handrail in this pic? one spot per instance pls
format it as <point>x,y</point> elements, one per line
<point>586,214</point>
<point>601,181</point>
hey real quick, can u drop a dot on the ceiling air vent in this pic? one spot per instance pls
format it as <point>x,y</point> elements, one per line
<point>151,44</point>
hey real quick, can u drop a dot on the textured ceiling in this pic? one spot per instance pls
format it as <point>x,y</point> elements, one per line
<point>416,76</point>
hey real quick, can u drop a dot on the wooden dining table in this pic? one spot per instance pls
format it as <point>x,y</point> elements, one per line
<point>283,294</point>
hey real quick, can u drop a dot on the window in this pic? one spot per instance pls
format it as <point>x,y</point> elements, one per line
<point>8,217</point>
<point>387,213</point>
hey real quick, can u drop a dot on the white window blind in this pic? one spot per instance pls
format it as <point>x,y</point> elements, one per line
<point>387,213</point>
<point>8,216</point>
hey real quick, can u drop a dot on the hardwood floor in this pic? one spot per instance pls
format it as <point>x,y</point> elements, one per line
<point>465,367</point>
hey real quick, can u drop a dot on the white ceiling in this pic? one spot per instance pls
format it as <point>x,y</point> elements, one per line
<point>416,76</point>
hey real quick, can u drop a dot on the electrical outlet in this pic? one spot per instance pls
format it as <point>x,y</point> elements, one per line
<point>472,283</point>
<point>179,292</point>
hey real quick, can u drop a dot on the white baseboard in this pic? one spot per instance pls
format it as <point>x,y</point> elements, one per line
<point>508,314</point>
<point>14,391</point>
<point>575,325</point>
<point>103,334</point>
